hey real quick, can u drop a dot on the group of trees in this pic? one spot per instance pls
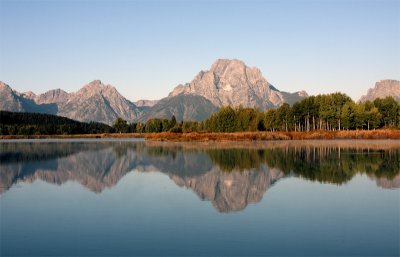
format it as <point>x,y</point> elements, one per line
<point>334,111</point>
<point>323,164</point>
<point>23,123</point>
<point>155,125</point>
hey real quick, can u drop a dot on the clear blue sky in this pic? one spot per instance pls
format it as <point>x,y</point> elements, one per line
<point>146,48</point>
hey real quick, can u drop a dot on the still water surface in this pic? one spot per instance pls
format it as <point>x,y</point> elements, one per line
<point>130,197</point>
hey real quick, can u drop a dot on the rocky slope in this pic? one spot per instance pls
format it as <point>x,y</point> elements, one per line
<point>58,96</point>
<point>231,82</point>
<point>9,99</point>
<point>383,89</point>
<point>99,102</point>
<point>145,103</point>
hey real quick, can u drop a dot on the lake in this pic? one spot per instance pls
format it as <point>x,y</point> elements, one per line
<point>131,197</point>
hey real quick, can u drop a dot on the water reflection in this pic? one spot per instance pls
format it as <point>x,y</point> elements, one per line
<point>230,175</point>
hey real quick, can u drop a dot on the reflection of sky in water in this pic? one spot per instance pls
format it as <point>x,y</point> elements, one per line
<point>146,213</point>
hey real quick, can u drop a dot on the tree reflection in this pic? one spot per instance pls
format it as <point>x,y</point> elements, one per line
<point>230,176</point>
<point>323,164</point>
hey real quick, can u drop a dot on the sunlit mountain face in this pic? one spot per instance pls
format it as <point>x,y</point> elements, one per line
<point>229,175</point>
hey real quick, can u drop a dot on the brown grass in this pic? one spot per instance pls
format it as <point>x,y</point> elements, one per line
<point>237,136</point>
<point>256,136</point>
<point>377,144</point>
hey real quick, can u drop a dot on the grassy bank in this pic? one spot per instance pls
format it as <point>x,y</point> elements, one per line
<point>238,136</point>
<point>252,136</point>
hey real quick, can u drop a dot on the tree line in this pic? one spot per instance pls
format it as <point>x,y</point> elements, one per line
<point>23,123</point>
<point>330,164</point>
<point>330,112</point>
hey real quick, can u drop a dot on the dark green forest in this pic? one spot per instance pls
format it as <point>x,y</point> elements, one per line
<point>329,112</point>
<point>21,123</point>
<point>328,165</point>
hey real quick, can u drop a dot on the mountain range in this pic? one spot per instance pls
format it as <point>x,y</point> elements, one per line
<point>227,82</point>
<point>93,102</point>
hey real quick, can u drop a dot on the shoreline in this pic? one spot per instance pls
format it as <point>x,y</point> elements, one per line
<point>233,136</point>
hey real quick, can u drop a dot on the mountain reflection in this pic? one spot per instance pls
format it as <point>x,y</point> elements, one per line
<point>230,175</point>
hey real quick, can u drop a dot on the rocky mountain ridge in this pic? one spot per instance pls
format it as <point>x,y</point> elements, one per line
<point>383,89</point>
<point>231,82</point>
<point>93,102</point>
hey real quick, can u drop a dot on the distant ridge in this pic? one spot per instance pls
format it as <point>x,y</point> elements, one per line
<point>93,102</point>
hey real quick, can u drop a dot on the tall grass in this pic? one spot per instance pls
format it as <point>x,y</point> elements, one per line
<point>236,136</point>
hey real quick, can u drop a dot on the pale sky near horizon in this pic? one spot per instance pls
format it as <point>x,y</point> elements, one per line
<point>146,48</point>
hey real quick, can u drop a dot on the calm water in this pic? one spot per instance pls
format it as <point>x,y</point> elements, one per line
<point>125,197</point>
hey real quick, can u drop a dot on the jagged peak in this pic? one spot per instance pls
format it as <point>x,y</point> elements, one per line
<point>234,67</point>
<point>221,65</point>
<point>224,62</point>
<point>53,91</point>
<point>94,84</point>
<point>97,86</point>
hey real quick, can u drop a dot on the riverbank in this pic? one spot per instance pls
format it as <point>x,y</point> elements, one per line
<point>258,136</point>
<point>237,136</point>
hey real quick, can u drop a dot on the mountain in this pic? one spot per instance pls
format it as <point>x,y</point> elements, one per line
<point>383,89</point>
<point>98,102</point>
<point>9,99</point>
<point>228,82</point>
<point>231,82</point>
<point>52,96</point>
<point>183,107</point>
<point>93,102</point>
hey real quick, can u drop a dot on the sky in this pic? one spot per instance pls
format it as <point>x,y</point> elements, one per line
<point>146,48</point>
